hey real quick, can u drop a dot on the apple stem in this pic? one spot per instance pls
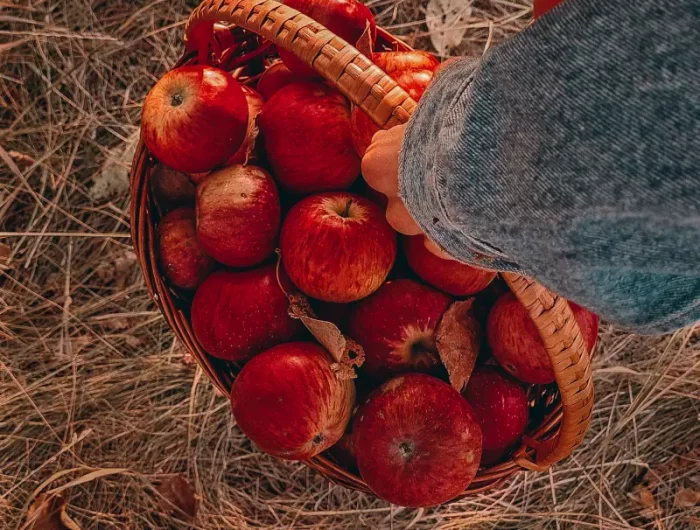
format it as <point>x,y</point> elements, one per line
<point>346,211</point>
<point>176,100</point>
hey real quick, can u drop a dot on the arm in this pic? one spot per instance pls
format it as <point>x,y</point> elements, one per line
<point>572,154</point>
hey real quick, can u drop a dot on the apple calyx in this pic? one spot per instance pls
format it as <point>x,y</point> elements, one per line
<point>406,449</point>
<point>422,351</point>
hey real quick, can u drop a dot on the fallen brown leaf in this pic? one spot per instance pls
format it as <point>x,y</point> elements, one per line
<point>686,498</point>
<point>48,512</point>
<point>123,265</point>
<point>178,497</point>
<point>458,338</point>
<point>647,502</point>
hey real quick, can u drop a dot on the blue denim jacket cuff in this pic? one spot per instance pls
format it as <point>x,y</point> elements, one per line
<point>419,188</point>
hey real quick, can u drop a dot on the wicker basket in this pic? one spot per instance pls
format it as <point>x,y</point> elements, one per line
<point>560,413</point>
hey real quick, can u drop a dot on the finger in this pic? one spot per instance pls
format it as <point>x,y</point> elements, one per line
<point>400,220</point>
<point>380,165</point>
<point>436,249</point>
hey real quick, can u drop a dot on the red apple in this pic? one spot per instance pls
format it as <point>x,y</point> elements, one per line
<point>194,118</point>
<point>448,275</point>
<point>290,403</point>
<point>348,19</point>
<point>238,215</point>
<point>337,247</point>
<point>171,188</point>
<point>417,441</point>
<point>413,71</point>
<point>247,150</point>
<point>275,77</point>
<point>540,7</point>
<point>306,131</point>
<point>500,404</point>
<point>396,327</point>
<point>236,315</point>
<point>516,344</point>
<point>400,62</point>
<point>182,259</point>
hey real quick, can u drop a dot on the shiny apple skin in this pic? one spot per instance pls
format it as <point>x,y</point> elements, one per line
<point>336,256</point>
<point>447,275</point>
<point>171,189</point>
<point>396,328</point>
<point>417,441</point>
<point>194,118</point>
<point>306,132</point>
<point>236,315</point>
<point>182,259</point>
<point>405,61</point>
<point>500,404</point>
<point>290,403</point>
<point>238,215</point>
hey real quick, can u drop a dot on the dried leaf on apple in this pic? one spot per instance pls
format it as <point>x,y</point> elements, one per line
<point>178,497</point>
<point>458,338</point>
<point>48,512</point>
<point>347,353</point>
<point>250,149</point>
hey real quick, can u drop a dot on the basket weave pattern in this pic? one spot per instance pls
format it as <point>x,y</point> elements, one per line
<point>561,413</point>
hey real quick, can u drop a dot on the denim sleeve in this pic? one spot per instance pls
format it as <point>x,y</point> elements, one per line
<point>571,154</point>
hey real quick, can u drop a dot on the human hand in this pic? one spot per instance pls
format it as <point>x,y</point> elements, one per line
<point>380,168</point>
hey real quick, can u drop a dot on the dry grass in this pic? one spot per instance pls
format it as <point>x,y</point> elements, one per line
<point>96,399</point>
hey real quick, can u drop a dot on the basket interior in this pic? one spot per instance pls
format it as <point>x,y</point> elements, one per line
<point>247,58</point>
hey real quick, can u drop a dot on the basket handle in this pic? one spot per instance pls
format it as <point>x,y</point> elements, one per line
<point>387,104</point>
<point>566,348</point>
<point>355,76</point>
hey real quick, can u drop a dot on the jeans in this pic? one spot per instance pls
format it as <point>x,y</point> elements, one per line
<point>571,153</point>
